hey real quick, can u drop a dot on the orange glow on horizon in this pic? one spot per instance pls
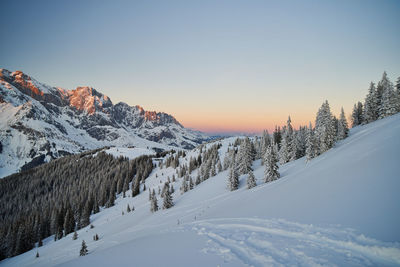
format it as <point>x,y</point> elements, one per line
<point>243,124</point>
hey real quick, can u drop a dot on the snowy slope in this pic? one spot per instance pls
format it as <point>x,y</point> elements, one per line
<point>342,209</point>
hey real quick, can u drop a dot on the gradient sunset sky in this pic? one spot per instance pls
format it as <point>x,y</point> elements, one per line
<point>217,66</point>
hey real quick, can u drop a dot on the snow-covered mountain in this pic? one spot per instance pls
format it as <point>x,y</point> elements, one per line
<point>339,209</point>
<point>39,122</point>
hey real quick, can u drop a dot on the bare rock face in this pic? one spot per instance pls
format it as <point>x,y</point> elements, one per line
<point>44,122</point>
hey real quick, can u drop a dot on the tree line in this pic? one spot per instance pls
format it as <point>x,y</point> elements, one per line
<point>58,198</point>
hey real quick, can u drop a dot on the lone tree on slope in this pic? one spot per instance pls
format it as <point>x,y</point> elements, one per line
<point>84,250</point>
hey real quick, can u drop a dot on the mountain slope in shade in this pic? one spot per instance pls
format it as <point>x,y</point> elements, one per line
<point>340,209</point>
<point>39,122</point>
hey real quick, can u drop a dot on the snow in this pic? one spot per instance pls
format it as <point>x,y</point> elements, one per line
<point>340,209</point>
<point>41,124</point>
<point>130,153</point>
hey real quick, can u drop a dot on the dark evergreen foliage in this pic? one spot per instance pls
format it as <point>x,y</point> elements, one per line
<point>84,250</point>
<point>62,195</point>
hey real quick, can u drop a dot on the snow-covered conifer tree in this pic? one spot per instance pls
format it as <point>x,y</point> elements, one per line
<point>284,151</point>
<point>84,250</point>
<point>398,94</point>
<point>184,186</point>
<point>233,177</point>
<point>294,147</point>
<point>75,236</point>
<point>271,172</point>
<point>354,117</point>
<point>213,171</point>
<point>389,99</point>
<point>167,203</point>
<point>371,105</point>
<point>251,180</point>
<point>357,116</point>
<point>191,185</point>
<point>343,128</point>
<point>219,165</point>
<point>324,129</point>
<point>153,204</point>
<point>244,158</point>
<point>310,145</point>
<point>384,87</point>
<point>265,143</point>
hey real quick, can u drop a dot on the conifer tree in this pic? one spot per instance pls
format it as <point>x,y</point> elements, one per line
<point>343,128</point>
<point>128,209</point>
<point>233,178</point>
<point>165,188</point>
<point>69,222</point>
<point>288,145</point>
<point>245,158</point>
<point>167,203</point>
<point>191,185</point>
<point>75,236</point>
<point>294,147</point>
<point>310,144</point>
<point>271,172</point>
<point>398,85</point>
<point>213,171</point>
<point>184,186</point>
<point>324,129</point>
<point>284,150</point>
<point>357,116</point>
<point>371,105</point>
<point>84,250</point>
<point>389,99</point>
<point>384,93</point>
<point>276,137</point>
<point>264,143</point>
<point>251,181</point>
<point>37,254</point>
<point>153,204</point>
<point>397,96</point>
<point>219,165</point>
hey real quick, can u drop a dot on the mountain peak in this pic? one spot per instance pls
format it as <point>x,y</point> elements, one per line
<point>22,81</point>
<point>88,99</point>
<point>59,121</point>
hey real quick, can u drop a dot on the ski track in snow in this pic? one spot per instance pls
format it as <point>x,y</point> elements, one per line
<point>264,242</point>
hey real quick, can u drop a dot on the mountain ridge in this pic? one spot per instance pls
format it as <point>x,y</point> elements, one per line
<point>38,120</point>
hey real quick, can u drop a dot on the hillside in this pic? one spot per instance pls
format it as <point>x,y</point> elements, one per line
<point>339,209</point>
<point>39,122</point>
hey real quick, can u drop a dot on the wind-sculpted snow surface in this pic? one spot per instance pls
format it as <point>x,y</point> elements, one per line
<point>260,242</point>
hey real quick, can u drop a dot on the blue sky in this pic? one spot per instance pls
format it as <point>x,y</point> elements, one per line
<point>214,65</point>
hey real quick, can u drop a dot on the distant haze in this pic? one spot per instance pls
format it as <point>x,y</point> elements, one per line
<point>217,66</point>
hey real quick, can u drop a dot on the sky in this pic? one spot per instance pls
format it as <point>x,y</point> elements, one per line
<point>217,66</point>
